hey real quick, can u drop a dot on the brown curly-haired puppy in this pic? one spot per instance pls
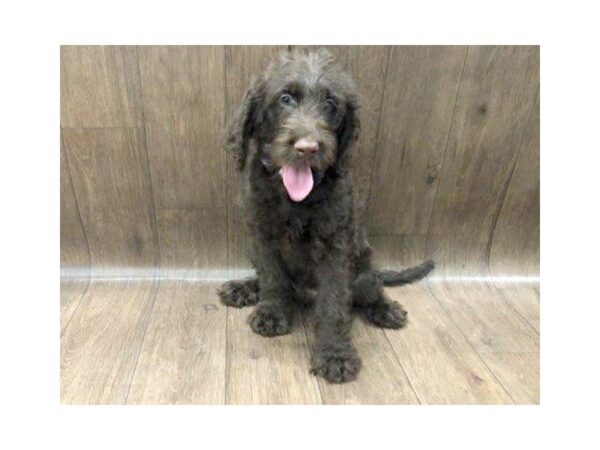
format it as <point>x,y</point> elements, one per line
<point>294,134</point>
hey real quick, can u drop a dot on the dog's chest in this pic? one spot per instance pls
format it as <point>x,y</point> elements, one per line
<point>296,244</point>
<point>296,236</point>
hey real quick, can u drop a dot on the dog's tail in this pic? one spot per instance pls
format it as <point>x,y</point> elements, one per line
<point>406,276</point>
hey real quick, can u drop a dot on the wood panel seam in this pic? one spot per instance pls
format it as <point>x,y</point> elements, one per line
<point>503,194</point>
<point>377,136</point>
<point>154,293</point>
<point>227,168</point>
<point>397,235</point>
<point>87,285</point>
<point>518,313</point>
<point>437,190</point>
<point>85,234</point>
<point>124,127</point>
<point>192,208</point>
<point>227,230</point>
<point>410,385</point>
<point>158,255</point>
<point>227,368</point>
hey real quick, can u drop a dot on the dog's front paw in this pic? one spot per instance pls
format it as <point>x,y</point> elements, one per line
<point>336,366</point>
<point>269,322</point>
<point>387,315</point>
<point>238,293</point>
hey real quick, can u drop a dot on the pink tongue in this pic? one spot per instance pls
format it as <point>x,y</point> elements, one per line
<point>298,181</point>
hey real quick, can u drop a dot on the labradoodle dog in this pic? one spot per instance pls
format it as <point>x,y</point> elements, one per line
<point>293,136</point>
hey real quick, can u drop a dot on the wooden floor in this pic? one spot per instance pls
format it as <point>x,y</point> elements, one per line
<point>172,342</point>
<point>446,168</point>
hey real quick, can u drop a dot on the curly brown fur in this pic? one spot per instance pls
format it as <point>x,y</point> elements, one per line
<point>310,251</point>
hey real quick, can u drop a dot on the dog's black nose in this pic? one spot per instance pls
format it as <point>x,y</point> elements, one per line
<point>306,145</point>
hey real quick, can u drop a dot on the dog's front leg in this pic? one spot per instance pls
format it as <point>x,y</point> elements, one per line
<point>334,357</point>
<point>274,313</point>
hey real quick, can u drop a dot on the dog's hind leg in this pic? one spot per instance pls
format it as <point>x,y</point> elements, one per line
<point>369,299</point>
<point>239,293</point>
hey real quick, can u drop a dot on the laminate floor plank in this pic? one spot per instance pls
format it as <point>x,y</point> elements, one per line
<point>267,370</point>
<point>183,356</point>
<point>139,343</point>
<point>381,380</point>
<point>525,299</point>
<point>442,366</point>
<point>71,294</point>
<point>519,373</point>
<point>496,329</point>
<point>100,347</point>
<point>486,319</point>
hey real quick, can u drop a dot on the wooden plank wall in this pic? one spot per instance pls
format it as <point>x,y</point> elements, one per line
<point>448,160</point>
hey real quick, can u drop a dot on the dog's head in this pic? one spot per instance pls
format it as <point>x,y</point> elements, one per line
<point>302,115</point>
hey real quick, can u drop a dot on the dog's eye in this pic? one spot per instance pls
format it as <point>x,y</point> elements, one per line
<point>287,99</point>
<point>330,105</point>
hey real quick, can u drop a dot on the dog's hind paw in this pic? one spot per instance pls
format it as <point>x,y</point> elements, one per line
<point>239,293</point>
<point>386,315</point>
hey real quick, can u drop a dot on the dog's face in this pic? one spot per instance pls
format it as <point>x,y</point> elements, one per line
<point>302,115</point>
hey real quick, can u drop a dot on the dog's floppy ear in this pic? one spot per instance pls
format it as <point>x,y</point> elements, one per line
<point>349,131</point>
<point>244,124</point>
